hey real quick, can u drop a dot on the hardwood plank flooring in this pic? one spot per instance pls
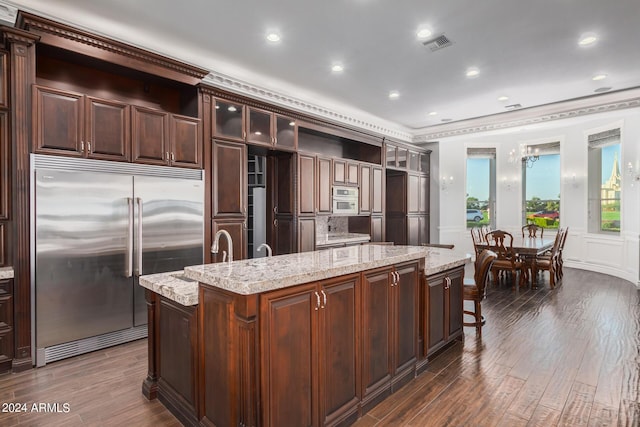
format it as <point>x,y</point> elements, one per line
<point>563,357</point>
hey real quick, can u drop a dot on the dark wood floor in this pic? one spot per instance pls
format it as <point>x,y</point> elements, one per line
<point>567,357</point>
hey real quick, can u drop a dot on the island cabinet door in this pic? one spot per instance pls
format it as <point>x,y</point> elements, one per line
<point>444,303</point>
<point>289,356</point>
<point>455,303</point>
<point>405,319</point>
<point>376,336</point>
<point>338,351</point>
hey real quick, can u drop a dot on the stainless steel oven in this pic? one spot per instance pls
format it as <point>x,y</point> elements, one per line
<point>345,200</point>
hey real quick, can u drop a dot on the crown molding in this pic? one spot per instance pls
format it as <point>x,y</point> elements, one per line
<point>252,90</point>
<point>611,101</point>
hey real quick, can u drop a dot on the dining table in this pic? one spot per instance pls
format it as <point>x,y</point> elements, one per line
<point>528,248</point>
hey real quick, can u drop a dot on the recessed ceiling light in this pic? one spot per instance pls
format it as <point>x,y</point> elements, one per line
<point>394,94</point>
<point>232,108</point>
<point>273,37</point>
<point>472,72</point>
<point>423,33</point>
<point>503,98</point>
<point>602,89</point>
<point>433,113</point>
<point>598,77</point>
<point>337,68</point>
<point>587,39</point>
<point>292,123</point>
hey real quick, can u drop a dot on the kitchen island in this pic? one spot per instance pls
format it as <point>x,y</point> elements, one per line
<point>315,338</point>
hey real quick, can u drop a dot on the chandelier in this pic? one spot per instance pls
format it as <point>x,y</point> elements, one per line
<point>526,155</point>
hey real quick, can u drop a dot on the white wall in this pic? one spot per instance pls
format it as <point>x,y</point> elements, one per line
<point>617,255</point>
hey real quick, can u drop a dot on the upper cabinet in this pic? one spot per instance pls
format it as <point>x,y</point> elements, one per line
<point>402,157</point>
<point>74,124</point>
<point>270,129</point>
<point>228,120</point>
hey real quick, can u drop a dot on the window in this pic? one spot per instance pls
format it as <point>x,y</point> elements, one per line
<point>541,184</point>
<point>481,187</point>
<point>604,181</point>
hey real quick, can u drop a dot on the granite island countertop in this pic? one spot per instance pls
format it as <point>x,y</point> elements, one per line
<point>6,272</point>
<point>338,238</point>
<point>258,275</point>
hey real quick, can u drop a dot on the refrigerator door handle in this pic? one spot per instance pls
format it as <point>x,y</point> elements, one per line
<point>129,254</point>
<point>139,242</point>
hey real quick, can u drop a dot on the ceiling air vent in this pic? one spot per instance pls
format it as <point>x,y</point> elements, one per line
<point>437,43</point>
<point>513,106</point>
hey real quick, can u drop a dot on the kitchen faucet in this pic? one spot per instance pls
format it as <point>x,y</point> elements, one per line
<point>216,239</point>
<point>267,247</point>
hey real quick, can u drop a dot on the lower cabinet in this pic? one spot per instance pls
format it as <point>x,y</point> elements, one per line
<point>306,234</point>
<point>237,229</point>
<point>390,336</point>
<point>6,324</point>
<point>443,301</point>
<point>309,354</point>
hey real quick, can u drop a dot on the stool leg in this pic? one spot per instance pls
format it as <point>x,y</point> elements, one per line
<point>478,315</point>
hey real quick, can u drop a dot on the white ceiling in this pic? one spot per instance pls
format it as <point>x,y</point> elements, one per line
<point>526,50</point>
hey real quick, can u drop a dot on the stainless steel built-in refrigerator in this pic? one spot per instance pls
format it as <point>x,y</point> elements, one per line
<point>97,227</point>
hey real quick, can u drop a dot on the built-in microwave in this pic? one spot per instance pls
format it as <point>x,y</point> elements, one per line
<point>345,200</point>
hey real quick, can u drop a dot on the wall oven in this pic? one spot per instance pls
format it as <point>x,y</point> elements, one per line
<point>345,200</point>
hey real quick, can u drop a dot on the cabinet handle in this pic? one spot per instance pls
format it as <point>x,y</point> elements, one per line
<point>317,301</point>
<point>275,209</point>
<point>244,135</point>
<point>244,225</point>
<point>447,282</point>
<point>274,140</point>
<point>166,156</point>
<point>173,157</point>
<point>81,145</point>
<point>89,146</point>
<point>324,299</point>
<point>275,222</point>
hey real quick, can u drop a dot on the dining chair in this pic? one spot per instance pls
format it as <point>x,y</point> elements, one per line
<point>477,237</point>
<point>549,262</point>
<point>501,242</point>
<point>531,230</point>
<point>475,289</point>
<point>559,258</point>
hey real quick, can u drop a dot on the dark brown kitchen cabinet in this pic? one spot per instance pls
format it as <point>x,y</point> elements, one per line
<point>186,142</point>
<point>6,324</point>
<point>5,181</point>
<point>150,136</point>
<point>413,230</point>
<point>377,228</point>
<point>283,232</point>
<point>377,190</point>
<point>281,224</point>
<point>74,124</point>
<point>307,184</point>
<point>306,234</point>
<point>229,177</point>
<point>237,228</point>
<point>311,334</point>
<point>442,322</point>
<point>4,74</point>
<point>365,192</point>
<point>270,129</point>
<point>325,204</point>
<point>390,337</point>
<point>228,120</point>
<point>413,194</point>
<point>423,205</point>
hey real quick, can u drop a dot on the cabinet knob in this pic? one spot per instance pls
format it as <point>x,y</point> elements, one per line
<point>275,222</point>
<point>275,209</point>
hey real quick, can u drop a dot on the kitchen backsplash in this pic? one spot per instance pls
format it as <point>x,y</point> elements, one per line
<point>331,225</point>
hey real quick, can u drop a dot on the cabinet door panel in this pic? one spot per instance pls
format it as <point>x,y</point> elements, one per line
<point>435,303</point>
<point>307,183</point>
<point>3,254</point>
<point>5,173</point>
<point>352,173</point>
<point>413,230</point>
<point>406,313</point>
<point>228,119</point>
<point>324,186</point>
<point>307,235</point>
<point>396,229</point>
<point>150,135</point>
<point>338,347</point>
<point>365,189</point>
<point>186,146</point>
<point>238,230</point>
<point>284,232</point>
<point>376,336</point>
<point>289,359</point>
<point>229,179</point>
<point>284,167</point>
<point>413,194</point>
<point>376,229</point>
<point>424,194</point>
<point>339,171</point>
<point>286,133</point>
<point>259,127</point>
<point>108,130</point>
<point>455,303</point>
<point>58,121</point>
<point>377,194</point>
<point>423,229</point>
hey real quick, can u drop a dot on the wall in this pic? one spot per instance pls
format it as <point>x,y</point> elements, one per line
<point>617,255</point>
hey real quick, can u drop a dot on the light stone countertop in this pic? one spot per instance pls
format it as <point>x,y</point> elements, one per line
<point>334,239</point>
<point>6,272</point>
<point>258,275</point>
